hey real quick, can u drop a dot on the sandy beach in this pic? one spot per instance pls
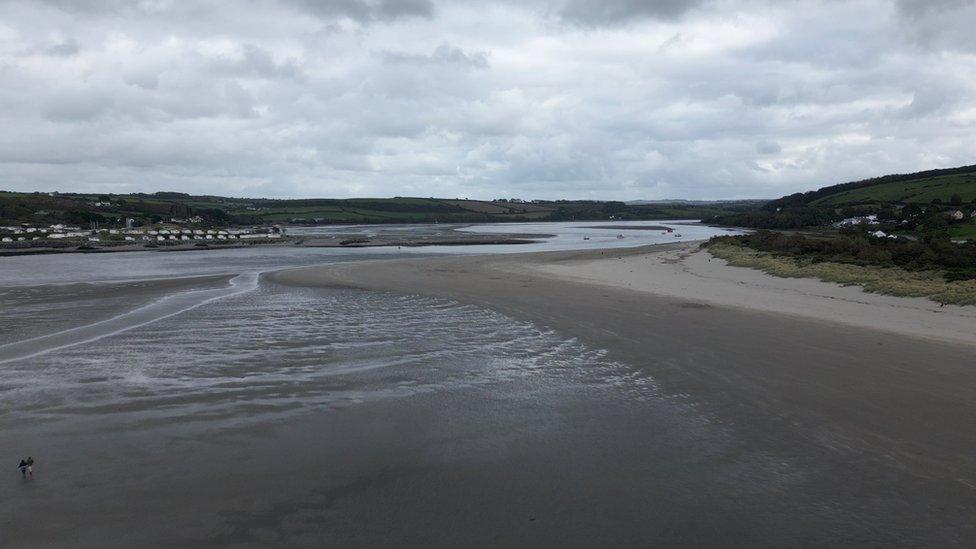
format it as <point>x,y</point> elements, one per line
<point>689,273</point>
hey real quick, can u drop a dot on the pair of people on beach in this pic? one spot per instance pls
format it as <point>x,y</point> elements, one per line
<point>26,467</point>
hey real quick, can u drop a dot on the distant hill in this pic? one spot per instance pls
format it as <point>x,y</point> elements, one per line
<point>913,188</point>
<point>683,202</point>
<point>951,188</point>
<point>114,209</point>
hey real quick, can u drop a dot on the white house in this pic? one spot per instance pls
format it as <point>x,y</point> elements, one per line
<point>860,220</point>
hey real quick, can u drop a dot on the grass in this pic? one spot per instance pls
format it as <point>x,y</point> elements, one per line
<point>966,231</point>
<point>880,280</point>
<point>332,215</point>
<point>919,191</point>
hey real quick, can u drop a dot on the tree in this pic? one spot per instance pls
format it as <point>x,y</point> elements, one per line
<point>955,200</point>
<point>911,210</point>
<point>83,218</point>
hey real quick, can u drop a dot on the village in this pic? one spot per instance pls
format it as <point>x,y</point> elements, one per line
<point>174,232</point>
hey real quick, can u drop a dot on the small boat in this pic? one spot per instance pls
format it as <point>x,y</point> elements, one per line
<point>586,238</point>
<point>676,235</point>
<point>620,236</point>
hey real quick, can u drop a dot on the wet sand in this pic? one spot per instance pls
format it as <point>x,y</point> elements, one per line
<point>722,425</point>
<point>874,427</point>
<point>32,311</point>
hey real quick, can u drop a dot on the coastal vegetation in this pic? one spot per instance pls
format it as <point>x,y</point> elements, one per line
<point>907,235</point>
<point>936,269</point>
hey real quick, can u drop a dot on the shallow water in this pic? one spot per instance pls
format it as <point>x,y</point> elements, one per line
<point>251,353</point>
<point>80,337</point>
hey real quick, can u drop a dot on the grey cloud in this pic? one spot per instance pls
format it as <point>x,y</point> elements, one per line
<point>368,10</point>
<point>936,97</point>
<point>939,24</point>
<point>63,49</point>
<point>257,62</point>
<point>77,107</point>
<point>443,54</point>
<point>768,147</point>
<point>915,8</point>
<point>612,12</point>
<point>142,78</point>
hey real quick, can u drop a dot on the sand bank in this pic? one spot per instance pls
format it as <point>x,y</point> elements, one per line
<point>875,423</point>
<point>688,273</point>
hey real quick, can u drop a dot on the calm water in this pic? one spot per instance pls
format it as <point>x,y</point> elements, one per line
<point>71,268</point>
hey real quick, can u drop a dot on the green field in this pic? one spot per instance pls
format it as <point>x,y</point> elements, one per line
<point>920,191</point>
<point>966,231</point>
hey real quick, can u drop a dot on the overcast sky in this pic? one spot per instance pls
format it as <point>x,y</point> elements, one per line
<point>615,99</point>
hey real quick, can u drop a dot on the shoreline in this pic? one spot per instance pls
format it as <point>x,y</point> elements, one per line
<point>682,271</point>
<point>691,273</point>
<point>346,241</point>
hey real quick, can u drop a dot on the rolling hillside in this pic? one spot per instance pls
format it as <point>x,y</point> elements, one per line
<point>115,209</point>
<point>913,188</point>
<point>914,191</point>
<point>904,196</point>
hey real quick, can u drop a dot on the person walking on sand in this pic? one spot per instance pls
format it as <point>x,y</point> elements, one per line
<point>30,467</point>
<point>23,469</point>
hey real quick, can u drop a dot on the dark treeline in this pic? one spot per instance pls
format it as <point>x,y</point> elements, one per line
<point>933,252</point>
<point>787,218</point>
<point>403,206</point>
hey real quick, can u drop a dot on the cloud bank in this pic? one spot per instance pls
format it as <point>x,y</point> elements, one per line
<point>620,99</point>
